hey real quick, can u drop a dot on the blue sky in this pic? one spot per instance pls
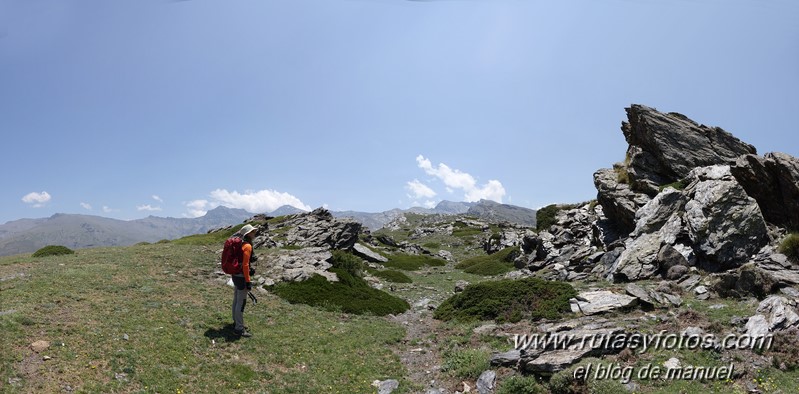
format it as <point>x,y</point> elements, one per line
<point>131,108</point>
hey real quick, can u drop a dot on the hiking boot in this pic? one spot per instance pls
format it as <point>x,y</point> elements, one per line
<point>243,333</point>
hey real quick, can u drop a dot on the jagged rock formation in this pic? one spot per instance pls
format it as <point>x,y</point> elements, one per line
<point>665,147</point>
<point>692,206</point>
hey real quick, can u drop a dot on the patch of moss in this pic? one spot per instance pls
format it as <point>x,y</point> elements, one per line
<point>679,185</point>
<point>508,300</point>
<point>53,250</point>
<point>493,264</point>
<point>409,262</point>
<point>350,294</point>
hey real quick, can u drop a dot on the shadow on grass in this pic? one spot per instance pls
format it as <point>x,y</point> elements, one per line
<point>225,333</point>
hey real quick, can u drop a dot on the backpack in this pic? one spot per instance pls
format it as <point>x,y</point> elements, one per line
<point>232,256</point>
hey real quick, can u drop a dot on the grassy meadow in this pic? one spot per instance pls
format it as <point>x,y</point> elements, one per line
<point>152,318</point>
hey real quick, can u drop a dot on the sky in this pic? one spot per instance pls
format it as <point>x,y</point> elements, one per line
<point>126,109</point>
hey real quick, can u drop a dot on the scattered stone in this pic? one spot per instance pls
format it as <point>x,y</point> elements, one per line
<point>775,313</point>
<point>461,286</point>
<point>385,386</point>
<point>672,363</point>
<point>40,346</point>
<point>446,255</point>
<point>506,359</point>
<point>593,302</point>
<point>125,337</point>
<point>485,383</point>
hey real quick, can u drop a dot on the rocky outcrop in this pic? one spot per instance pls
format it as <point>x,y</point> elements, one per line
<point>320,229</point>
<point>619,202</point>
<point>712,223</point>
<point>298,265</point>
<point>665,147</point>
<point>773,181</point>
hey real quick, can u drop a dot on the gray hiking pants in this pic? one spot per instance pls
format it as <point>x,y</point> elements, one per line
<point>239,301</point>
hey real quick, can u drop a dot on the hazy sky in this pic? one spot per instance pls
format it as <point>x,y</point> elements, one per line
<point>132,108</point>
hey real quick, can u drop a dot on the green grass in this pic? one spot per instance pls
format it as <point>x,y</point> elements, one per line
<point>508,300</point>
<point>393,276</point>
<point>466,363</point>
<point>177,319</point>
<point>350,294</point>
<point>52,250</point>
<point>409,262</point>
<point>493,264</point>
<point>517,384</point>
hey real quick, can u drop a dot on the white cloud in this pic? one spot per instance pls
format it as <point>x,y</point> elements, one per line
<point>419,190</point>
<point>86,206</point>
<point>156,198</point>
<point>252,201</point>
<point>37,199</point>
<point>257,202</point>
<point>107,209</point>
<point>198,208</point>
<point>429,204</point>
<point>147,207</point>
<point>455,179</point>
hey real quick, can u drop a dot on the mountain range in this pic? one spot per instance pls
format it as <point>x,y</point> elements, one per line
<point>77,231</point>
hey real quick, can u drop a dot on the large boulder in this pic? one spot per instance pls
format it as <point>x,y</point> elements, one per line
<point>724,223</point>
<point>772,180</point>
<point>665,147</point>
<point>619,202</point>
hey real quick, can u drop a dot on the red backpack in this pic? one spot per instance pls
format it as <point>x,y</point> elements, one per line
<point>232,256</point>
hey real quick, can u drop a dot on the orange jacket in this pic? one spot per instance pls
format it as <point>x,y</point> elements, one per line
<point>246,248</point>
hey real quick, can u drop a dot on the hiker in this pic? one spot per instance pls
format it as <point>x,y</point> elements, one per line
<point>241,281</point>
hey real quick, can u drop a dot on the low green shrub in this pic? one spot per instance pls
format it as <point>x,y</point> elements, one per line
<point>493,264</point>
<point>790,246</point>
<point>393,276</point>
<point>517,384</point>
<point>508,300</point>
<point>53,250</point>
<point>348,262</point>
<point>466,363</point>
<point>409,262</point>
<point>350,294</point>
<point>545,217</point>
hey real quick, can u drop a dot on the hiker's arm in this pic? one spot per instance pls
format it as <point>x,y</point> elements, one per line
<point>245,267</point>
